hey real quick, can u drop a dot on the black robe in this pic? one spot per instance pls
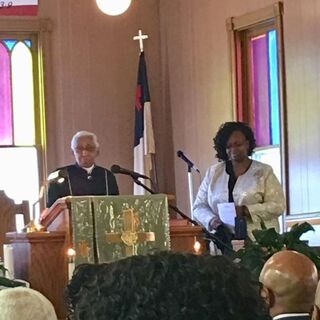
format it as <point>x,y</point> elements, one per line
<point>77,182</point>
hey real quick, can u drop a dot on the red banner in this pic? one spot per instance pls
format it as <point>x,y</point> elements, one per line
<point>19,8</point>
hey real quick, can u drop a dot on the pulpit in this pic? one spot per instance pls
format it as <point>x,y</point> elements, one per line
<point>110,228</point>
<point>184,236</point>
<point>40,257</point>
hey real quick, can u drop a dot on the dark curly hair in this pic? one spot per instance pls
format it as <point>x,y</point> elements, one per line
<point>224,133</point>
<point>165,286</point>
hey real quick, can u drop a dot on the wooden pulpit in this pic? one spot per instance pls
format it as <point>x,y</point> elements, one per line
<point>58,218</point>
<point>41,257</point>
<point>183,237</point>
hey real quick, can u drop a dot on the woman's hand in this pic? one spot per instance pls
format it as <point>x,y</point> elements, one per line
<point>214,223</point>
<point>242,211</point>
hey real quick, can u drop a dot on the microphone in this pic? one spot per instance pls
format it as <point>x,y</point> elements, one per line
<point>191,165</point>
<point>57,176</point>
<point>135,175</point>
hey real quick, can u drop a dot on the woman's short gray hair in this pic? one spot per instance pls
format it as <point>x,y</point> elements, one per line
<point>25,303</point>
<point>80,134</point>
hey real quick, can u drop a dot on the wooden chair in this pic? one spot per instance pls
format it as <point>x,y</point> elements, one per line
<point>8,211</point>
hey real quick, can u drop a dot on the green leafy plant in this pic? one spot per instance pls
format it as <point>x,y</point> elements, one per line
<point>5,282</point>
<point>268,241</point>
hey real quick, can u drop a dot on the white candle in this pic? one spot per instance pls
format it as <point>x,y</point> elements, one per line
<point>197,247</point>
<point>71,265</point>
<point>70,269</point>
<point>8,260</point>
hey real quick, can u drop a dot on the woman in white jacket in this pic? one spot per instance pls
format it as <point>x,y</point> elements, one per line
<point>249,184</point>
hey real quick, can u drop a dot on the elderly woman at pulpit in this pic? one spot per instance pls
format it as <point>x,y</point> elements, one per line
<point>84,177</point>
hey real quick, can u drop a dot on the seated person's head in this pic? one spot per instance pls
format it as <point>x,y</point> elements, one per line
<point>165,286</point>
<point>289,279</point>
<point>25,304</point>
<point>85,148</point>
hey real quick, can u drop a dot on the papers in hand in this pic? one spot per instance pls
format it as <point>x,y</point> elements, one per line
<point>227,213</point>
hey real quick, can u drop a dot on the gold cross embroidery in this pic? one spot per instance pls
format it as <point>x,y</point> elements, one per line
<point>130,235</point>
<point>84,248</point>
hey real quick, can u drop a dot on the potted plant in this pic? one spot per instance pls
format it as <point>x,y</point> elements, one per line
<point>8,283</point>
<point>268,241</point>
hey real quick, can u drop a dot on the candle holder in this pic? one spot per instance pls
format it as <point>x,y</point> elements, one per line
<point>33,226</point>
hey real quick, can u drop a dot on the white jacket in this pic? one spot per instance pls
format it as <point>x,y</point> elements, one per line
<point>258,189</point>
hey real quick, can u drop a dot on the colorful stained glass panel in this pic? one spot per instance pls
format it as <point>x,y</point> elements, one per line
<point>17,120</point>
<point>23,96</point>
<point>260,92</point>
<point>28,43</point>
<point>265,119</point>
<point>10,43</point>
<point>274,87</point>
<point>6,137</point>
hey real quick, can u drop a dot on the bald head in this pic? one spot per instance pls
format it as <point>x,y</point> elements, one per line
<point>291,280</point>
<point>317,297</point>
<point>316,310</point>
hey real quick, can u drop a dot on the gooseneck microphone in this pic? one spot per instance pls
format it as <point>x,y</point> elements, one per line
<point>135,175</point>
<point>190,164</point>
<point>58,176</point>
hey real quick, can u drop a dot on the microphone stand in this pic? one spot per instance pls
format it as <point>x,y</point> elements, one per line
<point>190,164</point>
<point>208,235</point>
<point>190,185</point>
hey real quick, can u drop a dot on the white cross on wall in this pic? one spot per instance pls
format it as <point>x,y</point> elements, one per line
<point>140,37</point>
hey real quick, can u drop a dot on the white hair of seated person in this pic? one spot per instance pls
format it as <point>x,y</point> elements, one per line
<point>25,304</point>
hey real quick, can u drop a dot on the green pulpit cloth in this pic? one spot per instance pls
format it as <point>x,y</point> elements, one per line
<point>108,228</point>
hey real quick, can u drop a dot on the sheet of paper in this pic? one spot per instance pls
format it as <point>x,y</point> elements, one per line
<point>227,212</point>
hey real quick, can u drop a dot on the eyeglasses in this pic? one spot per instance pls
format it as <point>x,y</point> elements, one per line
<point>236,145</point>
<point>86,148</point>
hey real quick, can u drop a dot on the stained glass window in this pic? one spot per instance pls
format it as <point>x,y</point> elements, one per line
<point>263,97</point>
<point>23,44</point>
<point>17,94</point>
<point>18,153</point>
<point>265,90</point>
<point>256,43</point>
<point>6,132</point>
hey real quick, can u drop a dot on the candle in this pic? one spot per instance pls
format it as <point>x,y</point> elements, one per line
<point>8,260</point>
<point>71,265</point>
<point>197,247</point>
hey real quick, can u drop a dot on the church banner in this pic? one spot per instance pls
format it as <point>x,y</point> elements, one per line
<point>108,228</point>
<point>19,7</point>
<point>144,145</point>
<point>82,229</point>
